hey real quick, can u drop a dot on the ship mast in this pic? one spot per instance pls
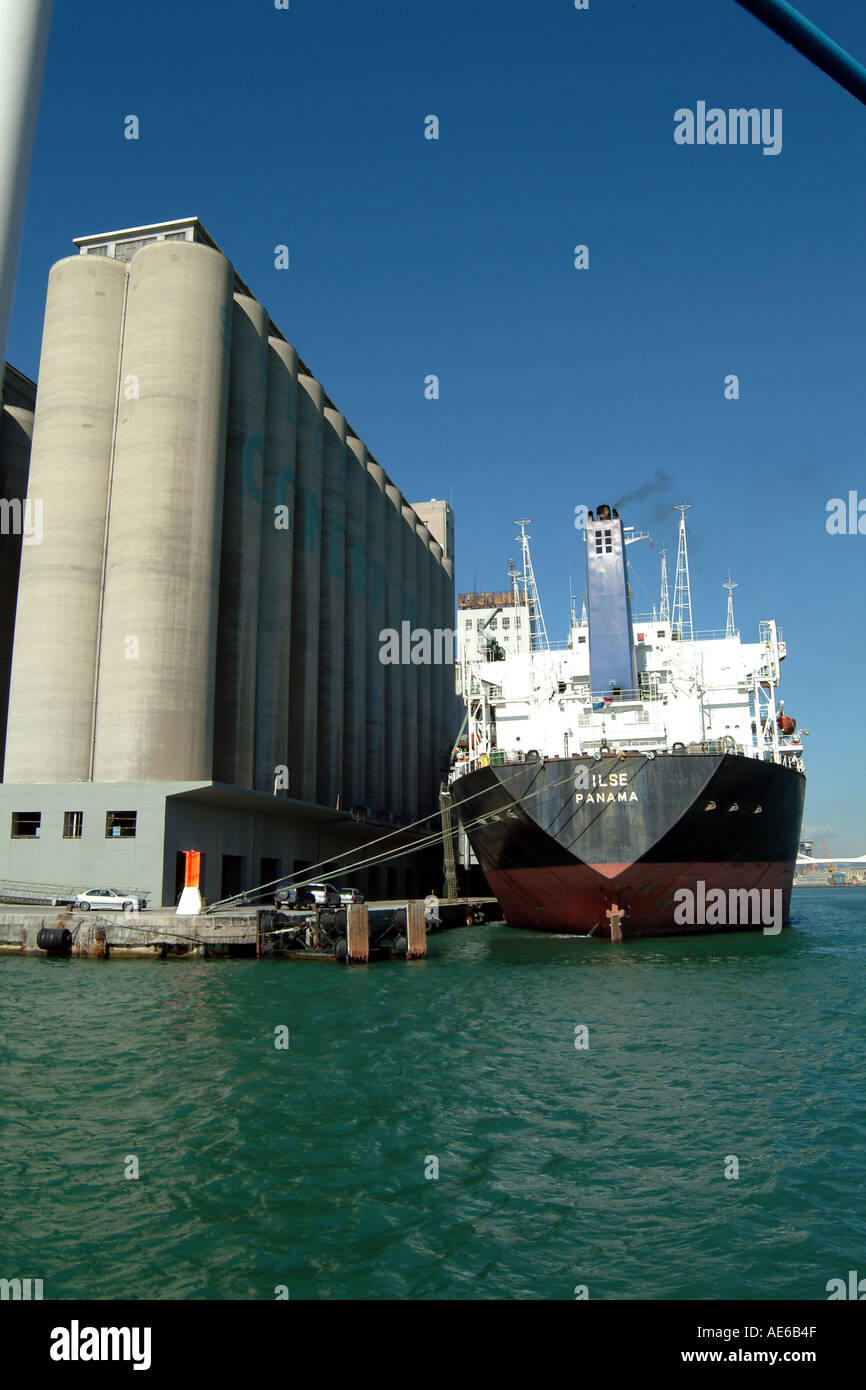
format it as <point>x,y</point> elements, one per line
<point>730,585</point>
<point>665,602</point>
<point>537,630</point>
<point>682,591</point>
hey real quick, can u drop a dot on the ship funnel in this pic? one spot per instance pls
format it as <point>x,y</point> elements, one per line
<point>612,663</point>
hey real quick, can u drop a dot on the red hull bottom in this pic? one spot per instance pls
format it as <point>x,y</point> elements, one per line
<point>575,898</point>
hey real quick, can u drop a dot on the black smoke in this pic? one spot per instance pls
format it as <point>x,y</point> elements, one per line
<point>658,486</point>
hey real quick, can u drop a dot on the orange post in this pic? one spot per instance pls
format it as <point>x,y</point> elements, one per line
<point>192,872</point>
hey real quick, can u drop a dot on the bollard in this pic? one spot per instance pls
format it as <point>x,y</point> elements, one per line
<point>416,930</point>
<point>90,941</point>
<point>358,931</point>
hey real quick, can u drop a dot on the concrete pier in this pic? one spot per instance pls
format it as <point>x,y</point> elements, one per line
<point>371,932</point>
<point>416,930</point>
<point>358,932</point>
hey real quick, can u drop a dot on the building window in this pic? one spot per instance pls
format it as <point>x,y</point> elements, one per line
<point>97,250</point>
<point>26,825</point>
<point>506,622</point>
<point>468,622</point>
<point>73,825</point>
<point>517,621</point>
<point>120,825</point>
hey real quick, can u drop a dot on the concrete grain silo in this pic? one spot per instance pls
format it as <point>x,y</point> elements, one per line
<point>377,734</point>
<point>275,576</point>
<point>237,639</point>
<point>410,670</point>
<point>440,673</point>
<point>394,745</point>
<point>426,675</point>
<point>356,646</point>
<point>155,694</point>
<point>49,736</point>
<point>332,617</point>
<point>16,433</point>
<point>448,698</point>
<point>306,577</point>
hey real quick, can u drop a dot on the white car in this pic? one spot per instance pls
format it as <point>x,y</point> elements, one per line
<point>106,900</point>
<point>325,894</point>
<point>351,895</point>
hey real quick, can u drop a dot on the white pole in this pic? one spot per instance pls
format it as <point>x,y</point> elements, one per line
<point>24,27</point>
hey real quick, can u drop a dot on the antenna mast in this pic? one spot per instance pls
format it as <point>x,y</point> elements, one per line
<point>665,603</point>
<point>537,630</point>
<point>730,630</point>
<point>682,591</point>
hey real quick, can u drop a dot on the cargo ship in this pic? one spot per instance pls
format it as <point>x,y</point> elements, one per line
<point>640,781</point>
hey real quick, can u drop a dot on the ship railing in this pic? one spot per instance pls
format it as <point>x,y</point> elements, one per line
<point>645,694</point>
<point>499,757</point>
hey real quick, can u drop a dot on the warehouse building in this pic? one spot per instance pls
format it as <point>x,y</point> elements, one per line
<point>195,661</point>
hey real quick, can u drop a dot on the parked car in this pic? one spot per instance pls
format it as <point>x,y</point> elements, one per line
<point>106,900</point>
<point>351,895</point>
<point>297,895</point>
<point>325,894</point>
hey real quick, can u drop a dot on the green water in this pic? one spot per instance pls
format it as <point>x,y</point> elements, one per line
<point>305,1167</point>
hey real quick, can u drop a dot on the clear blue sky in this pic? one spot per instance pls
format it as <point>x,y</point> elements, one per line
<point>454,257</point>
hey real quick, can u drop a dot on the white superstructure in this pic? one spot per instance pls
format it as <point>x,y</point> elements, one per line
<point>712,691</point>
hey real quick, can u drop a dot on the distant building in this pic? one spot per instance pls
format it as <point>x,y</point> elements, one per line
<point>439,520</point>
<point>196,660</point>
<point>488,621</point>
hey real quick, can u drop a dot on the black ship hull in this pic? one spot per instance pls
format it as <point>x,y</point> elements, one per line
<point>638,845</point>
